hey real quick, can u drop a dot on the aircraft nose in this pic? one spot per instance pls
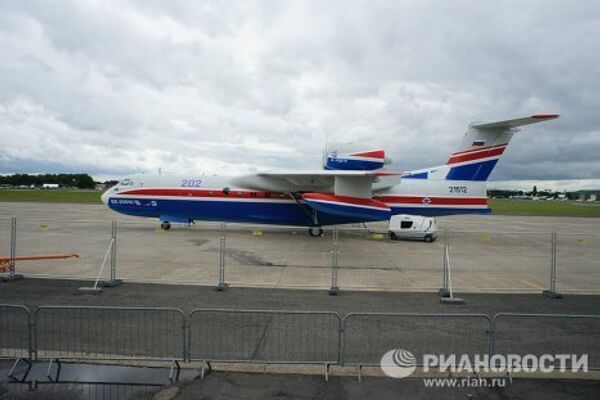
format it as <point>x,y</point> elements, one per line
<point>104,197</point>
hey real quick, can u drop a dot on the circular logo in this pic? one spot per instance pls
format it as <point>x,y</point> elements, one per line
<point>426,201</point>
<point>398,363</point>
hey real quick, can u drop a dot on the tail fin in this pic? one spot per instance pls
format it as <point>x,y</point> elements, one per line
<point>341,157</point>
<point>483,145</point>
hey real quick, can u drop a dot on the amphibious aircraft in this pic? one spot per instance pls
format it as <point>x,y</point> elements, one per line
<point>352,187</point>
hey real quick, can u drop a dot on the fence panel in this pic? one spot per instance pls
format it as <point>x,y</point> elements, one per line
<point>272,256</point>
<point>277,257</point>
<point>578,262</point>
<point>372,260</point>
<point>264,336</point>
<point>82,244</point>
<point>540,334</point>
<point>5,236</point>
<point>109,333</point>
<point>182,254</point>
<point>15,333</point>
<point>499,261</point>
<point>368,336</point>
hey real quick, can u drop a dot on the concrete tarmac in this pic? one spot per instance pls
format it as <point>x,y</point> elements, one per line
<point>489,256</point>
<point>486,253</point>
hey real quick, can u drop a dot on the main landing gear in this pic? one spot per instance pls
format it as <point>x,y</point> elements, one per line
<point>315,231</point>
<point>166,225</point>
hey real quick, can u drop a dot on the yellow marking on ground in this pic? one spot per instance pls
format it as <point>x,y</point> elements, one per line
<point>159,230</point>
<point>378,236</point>
<point>257,233</point>
<point>579,240</point>
<point>44,227</point>
<point>533,285</point>
<point>486,238</point>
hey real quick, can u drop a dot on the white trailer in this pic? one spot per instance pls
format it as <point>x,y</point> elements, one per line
<point>416,227</point>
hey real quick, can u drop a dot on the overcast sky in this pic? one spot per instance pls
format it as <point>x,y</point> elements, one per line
<point>112,88</point>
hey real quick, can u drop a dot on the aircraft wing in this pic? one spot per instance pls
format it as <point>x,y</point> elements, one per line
<point>340,182</point>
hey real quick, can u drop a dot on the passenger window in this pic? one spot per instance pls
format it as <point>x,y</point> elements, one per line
<point>405,224</point>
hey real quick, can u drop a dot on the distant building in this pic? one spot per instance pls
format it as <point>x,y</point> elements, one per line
<point>102,186</point>
<point>49,185</point>
<point>587,195</point>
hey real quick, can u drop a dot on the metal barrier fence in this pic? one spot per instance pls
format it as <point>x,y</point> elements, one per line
<point>270,256</point>
<point>515,333</point>
<point>62,249</point>
<point>260,336</point>
<point>15,331</point>
<point>367,336</point>
<point>278,337</point>
<point>499,261</point>
<point>577,262</point>
<point>182,254</point>
<point>369,260</point>
<point>5,236</point>
<point>7,248</point>
<point>274,257</point>
<point>109,333</point>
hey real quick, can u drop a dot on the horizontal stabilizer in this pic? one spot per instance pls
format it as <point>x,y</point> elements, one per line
<point>513,123</point>
<point>366,209</point>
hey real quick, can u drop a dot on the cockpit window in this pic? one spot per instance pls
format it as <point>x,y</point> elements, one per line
<point>126,182</point>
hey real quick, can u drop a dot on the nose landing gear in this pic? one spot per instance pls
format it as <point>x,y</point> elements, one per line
<point>315,231</point>
<point>166,225</point>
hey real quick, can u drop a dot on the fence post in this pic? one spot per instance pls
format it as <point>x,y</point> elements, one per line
<point>222,286</point>
<point>113,281</point>
<point>551,292</point>
<point>334,290</point>
<point>12,275</point>
<point>185,332</point>
<point>445,291</point>
<point>31,327</point>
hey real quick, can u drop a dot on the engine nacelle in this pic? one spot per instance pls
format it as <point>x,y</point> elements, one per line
<point>344,157</point>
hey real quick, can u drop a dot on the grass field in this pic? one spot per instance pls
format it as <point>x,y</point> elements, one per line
<point>53,196</point>
<point>499,206</point>
<point>545,208</point>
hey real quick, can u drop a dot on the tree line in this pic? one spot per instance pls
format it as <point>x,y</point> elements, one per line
<point>500,193</point>
<point>81,181</point>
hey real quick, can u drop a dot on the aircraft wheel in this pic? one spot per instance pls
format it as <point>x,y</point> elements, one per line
<point>165,225</point>
<point>315,231</point>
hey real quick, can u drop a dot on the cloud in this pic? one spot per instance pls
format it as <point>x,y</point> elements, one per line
<point>220,87</point>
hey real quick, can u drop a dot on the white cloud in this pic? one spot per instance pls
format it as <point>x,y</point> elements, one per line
<point>118,87</point>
